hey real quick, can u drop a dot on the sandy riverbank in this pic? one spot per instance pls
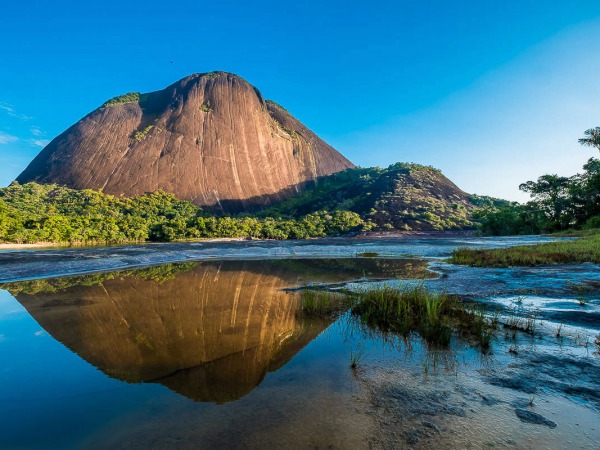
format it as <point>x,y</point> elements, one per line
<point>366,235</point>
<point>26,246</point>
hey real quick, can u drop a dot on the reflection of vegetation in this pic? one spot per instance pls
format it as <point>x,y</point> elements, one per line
<point>368,255</point>
<point>585,249</point>
<point>159,274</point>
<point>343,269</point>
<point>433,315</point>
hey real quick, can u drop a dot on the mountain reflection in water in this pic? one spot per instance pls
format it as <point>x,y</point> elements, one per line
<point>210,331</point>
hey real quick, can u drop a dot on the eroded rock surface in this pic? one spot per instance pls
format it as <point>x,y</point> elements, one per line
<point>209,138</point>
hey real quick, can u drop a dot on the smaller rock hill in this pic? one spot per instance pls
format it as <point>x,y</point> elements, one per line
<point>402,197</point>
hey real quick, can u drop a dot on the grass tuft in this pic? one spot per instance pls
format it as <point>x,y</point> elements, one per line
<point>356,356</point>
<point>433,315</point>
<point>322,303</point>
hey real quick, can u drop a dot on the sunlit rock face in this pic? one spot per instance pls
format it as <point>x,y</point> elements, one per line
<point>210,333</point>
<point>209,138</point>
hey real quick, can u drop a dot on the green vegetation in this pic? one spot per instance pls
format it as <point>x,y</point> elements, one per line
<point>205,107</point>
<point>433,315</point>
<point>569,206</point>
<point>141,135</point>
<point>558,203</point>
<point>356,356</point>
<point>32,213</point>
<point>586,249</point>
<point>132,97</point>
<point>289,131</point>
<point>322,303</point>
<point>400,197</point>
<point>516,321</point>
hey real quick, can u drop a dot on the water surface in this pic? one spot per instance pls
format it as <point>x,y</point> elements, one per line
<point>216,353</point>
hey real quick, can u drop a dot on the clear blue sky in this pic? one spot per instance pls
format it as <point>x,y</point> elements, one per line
<point>492,92</point>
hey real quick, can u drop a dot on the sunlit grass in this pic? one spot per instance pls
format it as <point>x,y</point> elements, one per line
<point>584,249</point>
<point>436,316</point>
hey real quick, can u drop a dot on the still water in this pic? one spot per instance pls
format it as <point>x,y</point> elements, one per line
<point>217,354</point>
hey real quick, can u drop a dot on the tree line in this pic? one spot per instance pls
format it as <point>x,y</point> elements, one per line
<point>557,203</point>
<point>32,212</point>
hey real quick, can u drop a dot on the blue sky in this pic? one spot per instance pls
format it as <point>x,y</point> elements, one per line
<point>494,93</point>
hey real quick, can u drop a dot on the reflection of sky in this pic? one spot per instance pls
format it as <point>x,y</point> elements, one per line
<point>47,388</point>
<point>50,397</point>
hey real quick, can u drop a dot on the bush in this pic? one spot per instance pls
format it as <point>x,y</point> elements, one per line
<point>131,97</point>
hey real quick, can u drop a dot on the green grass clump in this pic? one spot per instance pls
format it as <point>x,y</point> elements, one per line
<point>356,356</point>
<point>585,249</point>
<point>131,97</point>
<point>322,303</point>
<point>433,315</point>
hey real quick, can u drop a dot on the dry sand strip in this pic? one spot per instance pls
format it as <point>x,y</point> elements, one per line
<point>26,246</point>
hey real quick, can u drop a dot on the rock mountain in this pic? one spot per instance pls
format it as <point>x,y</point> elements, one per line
<point>209,138</point>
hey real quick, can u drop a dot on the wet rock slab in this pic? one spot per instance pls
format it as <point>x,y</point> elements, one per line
<point>534,418</point>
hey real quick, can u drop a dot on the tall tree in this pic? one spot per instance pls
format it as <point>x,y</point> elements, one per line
<point>551,194</point>
<point>592,138</point>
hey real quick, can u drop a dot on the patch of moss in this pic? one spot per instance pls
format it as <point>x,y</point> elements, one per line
<point>141,135</point>
<point>205,107</point>
<point>132,97</point>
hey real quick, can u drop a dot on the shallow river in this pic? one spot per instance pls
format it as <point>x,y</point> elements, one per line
<point>204,346</point>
